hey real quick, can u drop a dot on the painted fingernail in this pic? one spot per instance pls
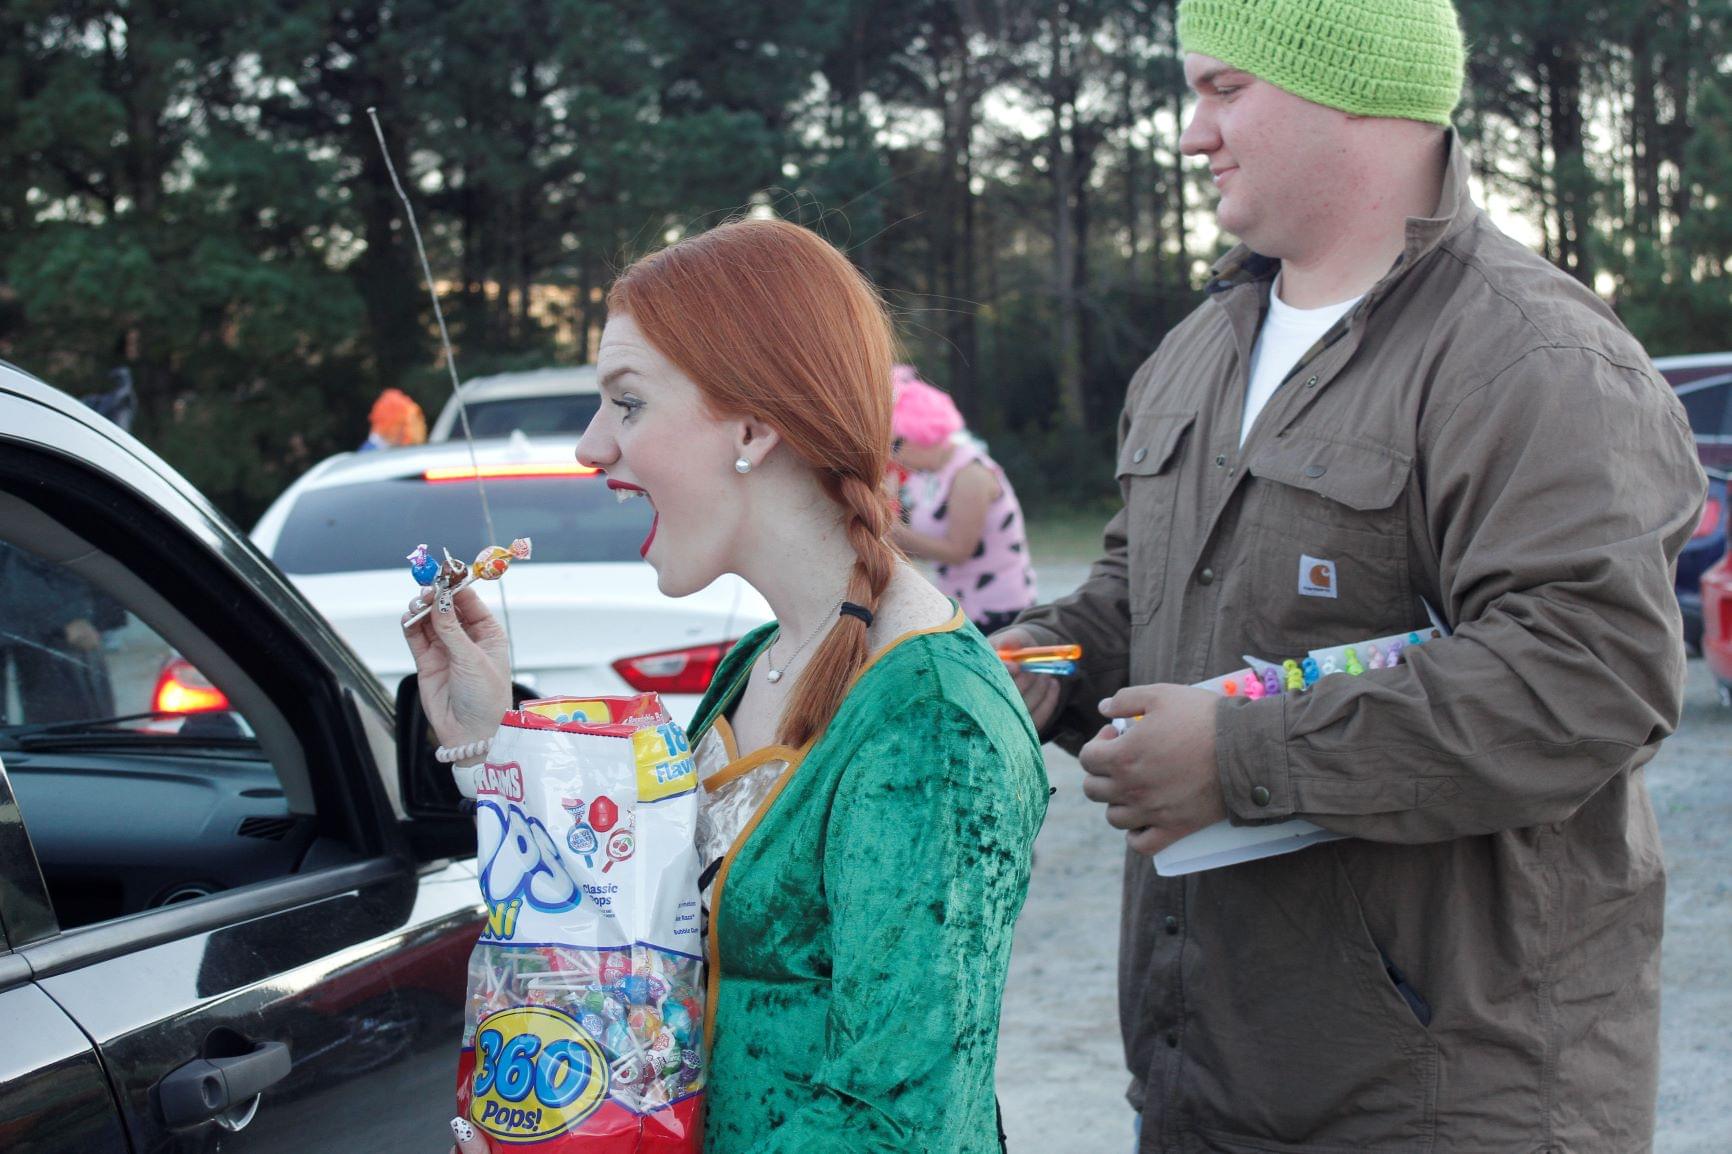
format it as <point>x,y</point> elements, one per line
<point>462,1129</point>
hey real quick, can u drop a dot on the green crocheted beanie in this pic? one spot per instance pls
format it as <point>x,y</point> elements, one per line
<point>1396,58</point>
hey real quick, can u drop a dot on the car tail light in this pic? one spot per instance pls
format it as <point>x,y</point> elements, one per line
<point>674,670</point>
<point>488,472</point>
<point>182,689</point>
<point>1710,522</point>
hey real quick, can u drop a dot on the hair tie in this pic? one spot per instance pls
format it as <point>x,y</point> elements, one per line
<point>849,609</point>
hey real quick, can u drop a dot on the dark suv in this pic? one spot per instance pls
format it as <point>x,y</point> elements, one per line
<point>236,896</point>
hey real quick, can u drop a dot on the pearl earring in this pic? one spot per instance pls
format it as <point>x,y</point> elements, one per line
<point>742,466</point>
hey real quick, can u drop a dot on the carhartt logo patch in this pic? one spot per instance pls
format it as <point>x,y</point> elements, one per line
<point>1316,576</point>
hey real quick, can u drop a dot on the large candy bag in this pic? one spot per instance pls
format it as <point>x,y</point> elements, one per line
<point>585,1024</point>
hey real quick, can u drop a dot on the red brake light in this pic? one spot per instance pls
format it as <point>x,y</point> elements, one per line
<point>673,670</point>
<point>182,689</point>
<point>486,472</point>
<point>1710,522</point>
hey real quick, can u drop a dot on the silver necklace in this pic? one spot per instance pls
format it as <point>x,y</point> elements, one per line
<point>771,673</point>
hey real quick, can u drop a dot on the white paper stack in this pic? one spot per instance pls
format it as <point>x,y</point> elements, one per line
<point>1224,844</point>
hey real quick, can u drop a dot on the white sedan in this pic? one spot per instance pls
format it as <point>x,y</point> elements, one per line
<point>585,615</point>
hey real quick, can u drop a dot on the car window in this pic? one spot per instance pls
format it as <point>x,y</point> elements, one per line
<point>374,524</point>
<point>1705,405</point>
<point>140,784</point>
<point>563,413</point>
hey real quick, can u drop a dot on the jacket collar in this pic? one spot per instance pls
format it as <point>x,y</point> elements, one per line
<point>1455,211</point>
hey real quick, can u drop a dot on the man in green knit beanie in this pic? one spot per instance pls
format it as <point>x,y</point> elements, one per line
<point>1385,414</point>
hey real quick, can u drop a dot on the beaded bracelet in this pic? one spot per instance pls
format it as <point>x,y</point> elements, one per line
<point>455,753</point>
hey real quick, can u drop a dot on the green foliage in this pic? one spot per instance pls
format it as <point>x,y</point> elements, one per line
<point>195,189</point>
<point>1055,469</point>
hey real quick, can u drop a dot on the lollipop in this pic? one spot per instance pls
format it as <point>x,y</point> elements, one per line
<point>422,567</point>
<point>619,847</point>
<point>447,577</point>
<point>492,562</point>
<point>614,966</point>
<point>582,841</point>
<point>603,812</point>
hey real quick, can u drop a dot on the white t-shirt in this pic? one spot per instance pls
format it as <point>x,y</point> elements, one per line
<point>1286,334</point>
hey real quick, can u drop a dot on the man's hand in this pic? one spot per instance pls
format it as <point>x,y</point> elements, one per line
<point>1157,779</point>
<point>1039,691</point>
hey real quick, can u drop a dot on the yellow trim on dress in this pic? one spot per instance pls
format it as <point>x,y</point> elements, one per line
<point>712,983</point>
<point>725,730</point>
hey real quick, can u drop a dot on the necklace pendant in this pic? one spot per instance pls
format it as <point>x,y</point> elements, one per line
<point>773,676</point>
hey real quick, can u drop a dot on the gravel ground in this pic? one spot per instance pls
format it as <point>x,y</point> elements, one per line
<point>1060,1070</point>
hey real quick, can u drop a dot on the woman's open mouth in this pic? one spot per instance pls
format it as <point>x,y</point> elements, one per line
<point>624,492</point>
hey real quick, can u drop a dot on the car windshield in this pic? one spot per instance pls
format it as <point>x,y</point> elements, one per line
<point>562,413</point>
<point>374,524</point>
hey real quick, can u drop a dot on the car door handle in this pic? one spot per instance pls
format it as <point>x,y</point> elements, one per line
<point>206,1087</point>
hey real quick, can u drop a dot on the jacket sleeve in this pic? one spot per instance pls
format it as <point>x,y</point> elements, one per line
<point>1557,497</point>
<point>925,867</point>
<point>1096,615</point>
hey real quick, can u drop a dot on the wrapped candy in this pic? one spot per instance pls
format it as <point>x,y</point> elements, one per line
<point>492,562</point>
<point>443,579</point>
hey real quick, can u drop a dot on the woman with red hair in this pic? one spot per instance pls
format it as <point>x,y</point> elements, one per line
<point>872,783</point>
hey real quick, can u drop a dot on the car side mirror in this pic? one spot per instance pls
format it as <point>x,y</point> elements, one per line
<point>441,820</point>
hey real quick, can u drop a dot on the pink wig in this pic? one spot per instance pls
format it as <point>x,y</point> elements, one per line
<point>923,415</point>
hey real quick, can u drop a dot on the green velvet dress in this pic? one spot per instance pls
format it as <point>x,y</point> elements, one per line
<point>861,924</point>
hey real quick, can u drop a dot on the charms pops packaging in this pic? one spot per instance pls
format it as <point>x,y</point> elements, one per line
<point>584,1031</point>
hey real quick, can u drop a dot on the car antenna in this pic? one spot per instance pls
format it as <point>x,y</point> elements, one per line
<point>451,368</point>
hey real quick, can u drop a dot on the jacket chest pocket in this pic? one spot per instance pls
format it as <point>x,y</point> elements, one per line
<point>1329,545</point>
<point>1149,481</point>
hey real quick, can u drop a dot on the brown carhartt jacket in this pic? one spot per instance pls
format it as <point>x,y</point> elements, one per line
<point>1477,969</point>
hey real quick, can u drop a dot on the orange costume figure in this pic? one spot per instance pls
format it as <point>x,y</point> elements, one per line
<point>395,420</point>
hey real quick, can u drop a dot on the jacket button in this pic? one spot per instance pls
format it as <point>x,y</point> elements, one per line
<point>1206,577</point>
<point>1260,795</point>
<point>1311,382</point>
<point>1137,457</point>
<point>1172,924</point>
<point>1173,1040</point>
<point>1221,460</point>
<point>1315,470</point>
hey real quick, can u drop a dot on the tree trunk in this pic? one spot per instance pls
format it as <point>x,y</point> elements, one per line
<point>1182,224</point>
<point>1644,136</point>
<point>389,285</point>
<point>1570,176</point>
<point>1071,413</point>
